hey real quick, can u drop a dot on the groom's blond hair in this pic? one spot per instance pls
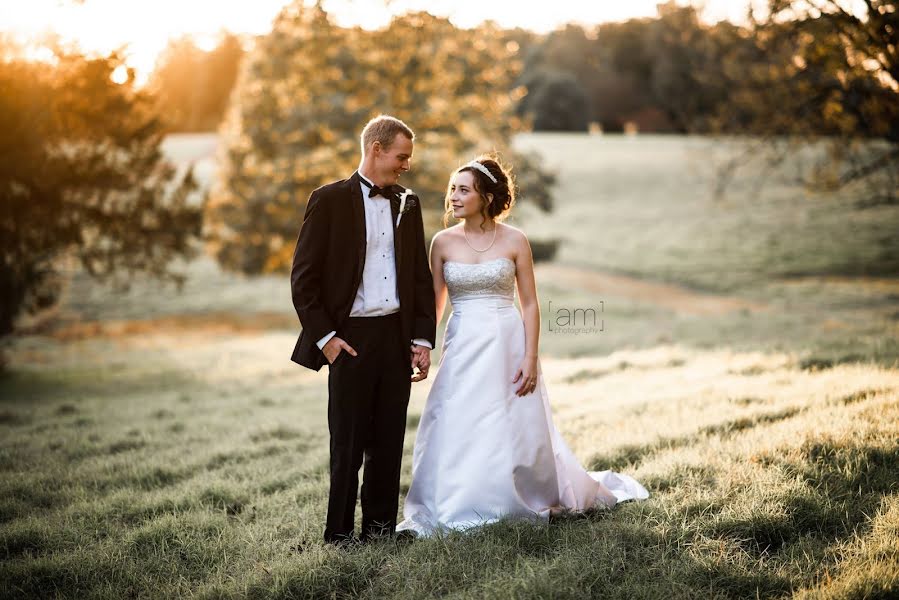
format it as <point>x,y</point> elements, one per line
<point>383,128</point>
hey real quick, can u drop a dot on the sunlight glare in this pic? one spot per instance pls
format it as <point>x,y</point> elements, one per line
<point>120,75</point>
<point>143,28</point>
<point>40,54</point>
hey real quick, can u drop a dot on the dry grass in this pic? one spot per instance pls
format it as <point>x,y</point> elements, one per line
<point>162,445</point>
<point>186,477</point>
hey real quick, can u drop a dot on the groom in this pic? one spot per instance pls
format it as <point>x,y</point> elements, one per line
<point>362,290</point>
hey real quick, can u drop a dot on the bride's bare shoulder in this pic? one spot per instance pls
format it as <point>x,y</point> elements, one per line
<point>443,237</point>
<point>513,234</point>
<point>449,233</point>
<point>516,242</point>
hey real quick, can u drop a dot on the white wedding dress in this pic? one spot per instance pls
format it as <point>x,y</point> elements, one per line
<point>483,453</point>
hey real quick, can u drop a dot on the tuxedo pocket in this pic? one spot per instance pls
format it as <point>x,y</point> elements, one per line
<point>343,357</point>
<point>339,357</point>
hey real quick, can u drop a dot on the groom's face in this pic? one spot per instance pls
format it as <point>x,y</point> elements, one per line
<point>392,162</point>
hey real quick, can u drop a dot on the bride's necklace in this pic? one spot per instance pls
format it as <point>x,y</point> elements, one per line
<point>475,249</point>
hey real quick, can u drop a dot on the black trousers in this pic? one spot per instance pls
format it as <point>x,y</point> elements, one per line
<point>367,400</point>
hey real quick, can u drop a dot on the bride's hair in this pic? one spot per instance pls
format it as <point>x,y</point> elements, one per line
<point>503,189</point>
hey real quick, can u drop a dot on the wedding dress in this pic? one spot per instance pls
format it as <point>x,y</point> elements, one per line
<point>483,453</point>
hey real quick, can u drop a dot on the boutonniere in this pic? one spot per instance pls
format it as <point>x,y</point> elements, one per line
<point>407,203</point>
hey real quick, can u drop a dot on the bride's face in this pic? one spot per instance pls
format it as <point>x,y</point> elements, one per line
<point>465,201</point>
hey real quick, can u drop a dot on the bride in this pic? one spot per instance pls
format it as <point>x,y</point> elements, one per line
<point>486,446</point>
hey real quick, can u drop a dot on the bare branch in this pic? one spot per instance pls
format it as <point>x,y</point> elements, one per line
<point>870,167</point>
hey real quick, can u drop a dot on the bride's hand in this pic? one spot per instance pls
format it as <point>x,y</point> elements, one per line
<point>527,374</point>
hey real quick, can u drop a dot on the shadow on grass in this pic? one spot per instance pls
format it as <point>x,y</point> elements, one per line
<point>629,456</point>
<point>845,485</point>
<point>26,387</point>
<point>601,554</point>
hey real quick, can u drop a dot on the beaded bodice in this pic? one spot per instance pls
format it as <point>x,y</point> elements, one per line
<point>491,278</point>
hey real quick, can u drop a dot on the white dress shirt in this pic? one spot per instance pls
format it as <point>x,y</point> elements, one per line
<point>377,295</point>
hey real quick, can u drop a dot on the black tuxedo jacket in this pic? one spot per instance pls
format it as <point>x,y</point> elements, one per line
<point>328,263</point>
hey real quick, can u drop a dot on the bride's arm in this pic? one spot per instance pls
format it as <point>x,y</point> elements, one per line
<point>527,296</point>
<point>437,274</point>
<point>530,313</point>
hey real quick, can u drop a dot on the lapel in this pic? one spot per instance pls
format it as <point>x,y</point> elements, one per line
<point>357,217</point>
<point>397,239</point>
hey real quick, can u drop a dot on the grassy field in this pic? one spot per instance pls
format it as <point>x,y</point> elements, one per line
<point>819,278</point>
<point>155,444</point>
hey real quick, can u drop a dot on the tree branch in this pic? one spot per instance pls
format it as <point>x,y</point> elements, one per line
<point>870,167</point>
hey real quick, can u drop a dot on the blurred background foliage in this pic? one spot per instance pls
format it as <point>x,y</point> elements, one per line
<point>192,86</point>
<point>783,80</point>
<point>82,176</point>
<point>309,86</point>
<point>83,180</point>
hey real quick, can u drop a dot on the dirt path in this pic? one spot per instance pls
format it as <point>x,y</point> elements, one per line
<point>230,322</point>
<point>665,295</point>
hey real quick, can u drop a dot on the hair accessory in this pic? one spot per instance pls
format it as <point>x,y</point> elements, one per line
<point>476,165</point>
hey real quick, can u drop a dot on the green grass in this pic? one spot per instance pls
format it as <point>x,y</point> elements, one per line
<point>825,272</point>
<point>172,450</point>
<point>765,478</point>
<point>646,206</point>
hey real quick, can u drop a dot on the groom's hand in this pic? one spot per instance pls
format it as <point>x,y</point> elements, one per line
<point>421,358</point>
<point>332,349</point>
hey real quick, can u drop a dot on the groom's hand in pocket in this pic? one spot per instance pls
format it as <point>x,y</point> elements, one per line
<point>332,349</point>
<point>421,358</point>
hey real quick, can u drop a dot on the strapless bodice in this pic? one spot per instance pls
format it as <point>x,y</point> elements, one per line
<point>471,281</point>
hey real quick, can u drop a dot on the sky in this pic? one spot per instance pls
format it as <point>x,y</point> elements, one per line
<point>146,25</point>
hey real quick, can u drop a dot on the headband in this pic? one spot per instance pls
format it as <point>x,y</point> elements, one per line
<point>476,165</point>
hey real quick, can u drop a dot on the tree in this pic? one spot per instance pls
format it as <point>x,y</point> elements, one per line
<point>624,69</point>
<point>556,101</point>
<point>557,74</point>
<point>819,72</point>
<point>307,89</point>
<point>193,85</point>
<point>82,175</point>
<point>662,73</point>
<point>685,58</point>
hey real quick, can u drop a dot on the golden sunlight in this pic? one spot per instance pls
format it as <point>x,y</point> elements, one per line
<point>120,74</point>
<point>142,28</point>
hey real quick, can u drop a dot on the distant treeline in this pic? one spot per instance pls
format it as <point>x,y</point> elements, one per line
<point>662,74</point>
<point>669,73</point>
<point>82,174</point>
<point>803,72</point>
<point>657,74</point>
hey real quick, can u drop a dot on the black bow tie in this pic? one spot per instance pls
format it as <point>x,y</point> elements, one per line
<point>390,192</point>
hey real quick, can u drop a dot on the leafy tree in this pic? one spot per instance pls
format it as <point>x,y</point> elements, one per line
<point>193,85</point>
<point>662,73</point>
<point>556,102</point>
<point>685,67</point>
<point>818,72</point>
<point>82,177</point>
<point>557,74</point>
<point>623,72</point>
<point>307,89</point>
